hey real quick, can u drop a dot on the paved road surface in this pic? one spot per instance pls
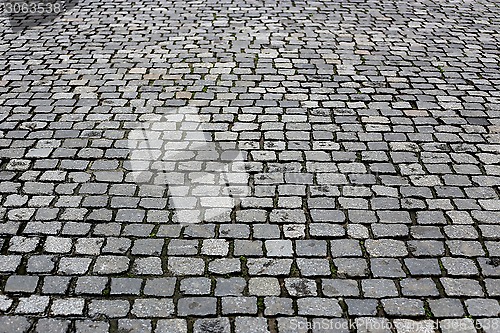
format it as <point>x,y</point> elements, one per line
<point>251,166</point>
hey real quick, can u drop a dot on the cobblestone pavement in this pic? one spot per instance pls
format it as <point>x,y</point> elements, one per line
<point>251,166</point>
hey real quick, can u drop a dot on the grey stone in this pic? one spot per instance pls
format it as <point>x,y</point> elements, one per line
<point>111,264</point>
<point>196,306</point>
<point>278,306</point>
<point>298,287</point>
<point>33,304</point>
<point>233,286</point>
<point>239,305</point>
<point>134,325</point>
<point>378,288</point>
<point>340,288</point>
<point>55,284</point>
<point>251,325</point>
<point>314,267</point>
<point>151,307</point>
<point>52,325</point>
<point>362,307</point>
<point>147,266</point>
<point>386,267</point>
<point>446,307</point>
<point>67,307</point>
<point>171,326</point>
<point>17,324</point>
<point>90,285</point>
<point>419,287</point>
<point>158,287</point>
<point>212,325</point>
<point>461,287</point>
<point>482,307</point>
<point>21,283</point>
<point>186,266</point>
<point>109,308</point>
<point>195,286</point>
<point>386,248</point>
<point>403,307</point>
<point>126,286</point>
<point>264,286</point>
<point>321,307</point>
<point>265,266</point>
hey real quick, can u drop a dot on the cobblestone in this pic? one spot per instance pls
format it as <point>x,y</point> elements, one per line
<point>217,167</point>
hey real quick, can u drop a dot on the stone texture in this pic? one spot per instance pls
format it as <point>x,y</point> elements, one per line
<point>222,166</point>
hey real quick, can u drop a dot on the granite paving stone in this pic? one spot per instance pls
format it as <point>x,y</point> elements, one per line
<point>237,166</point>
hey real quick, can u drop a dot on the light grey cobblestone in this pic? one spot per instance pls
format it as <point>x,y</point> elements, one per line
<point>228,166</point>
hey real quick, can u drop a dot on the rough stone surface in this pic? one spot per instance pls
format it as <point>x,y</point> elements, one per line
<point>238,166</point>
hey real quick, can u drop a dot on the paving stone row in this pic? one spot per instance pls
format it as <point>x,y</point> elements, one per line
<point>242,166</point>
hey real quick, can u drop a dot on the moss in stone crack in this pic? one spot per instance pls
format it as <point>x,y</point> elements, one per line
<point>260,304</point>
<point>255,60</point>
<point>244,268</point>
<point>294,270</point>
<point>333,269</point>
<point>380,310</point>
<point>106,291</point>
<point>443,270</point>
<point>427,310</point>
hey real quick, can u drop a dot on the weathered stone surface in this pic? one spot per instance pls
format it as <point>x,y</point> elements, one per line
<point>231,166</point>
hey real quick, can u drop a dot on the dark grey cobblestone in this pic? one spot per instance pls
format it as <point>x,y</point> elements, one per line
<point>303,162</point>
